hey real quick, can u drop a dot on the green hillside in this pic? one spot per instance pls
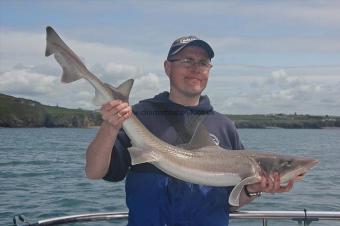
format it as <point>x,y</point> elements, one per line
<point>19,112</point>
<point>288,121</point>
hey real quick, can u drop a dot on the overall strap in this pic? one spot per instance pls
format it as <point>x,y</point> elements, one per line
<point>184,130</point>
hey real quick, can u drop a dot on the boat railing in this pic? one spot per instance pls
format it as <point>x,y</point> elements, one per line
<point>301,217</point>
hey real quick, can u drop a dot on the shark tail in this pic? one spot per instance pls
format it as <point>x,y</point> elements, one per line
<point>74,69</point>
<point>64,55</point>
<point>50,36</point>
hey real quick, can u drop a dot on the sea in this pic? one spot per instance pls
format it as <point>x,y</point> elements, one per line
<point>42,175</point>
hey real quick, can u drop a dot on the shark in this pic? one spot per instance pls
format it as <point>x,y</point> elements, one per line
<point>200,161</point>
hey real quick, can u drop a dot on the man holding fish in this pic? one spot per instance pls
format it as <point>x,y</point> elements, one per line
<point>153,197</point>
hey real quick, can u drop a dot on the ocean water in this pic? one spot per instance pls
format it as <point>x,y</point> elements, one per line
<point>42,174</point>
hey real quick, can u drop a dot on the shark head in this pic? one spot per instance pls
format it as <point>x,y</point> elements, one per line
<point>289,167</point>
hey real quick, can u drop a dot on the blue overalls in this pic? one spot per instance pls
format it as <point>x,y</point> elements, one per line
<point>157,200</point>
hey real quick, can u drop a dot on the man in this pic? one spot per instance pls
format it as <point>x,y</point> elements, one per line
<point>154,198</point>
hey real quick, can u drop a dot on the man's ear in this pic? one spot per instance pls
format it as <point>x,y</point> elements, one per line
<point>167,67</point>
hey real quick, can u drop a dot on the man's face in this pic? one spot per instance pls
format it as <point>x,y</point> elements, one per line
<point>188,80</point>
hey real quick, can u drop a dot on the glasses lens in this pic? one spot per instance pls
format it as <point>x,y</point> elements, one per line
<point>189,63</point>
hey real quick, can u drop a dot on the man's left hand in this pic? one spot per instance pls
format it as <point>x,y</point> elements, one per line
<point>270,185</point>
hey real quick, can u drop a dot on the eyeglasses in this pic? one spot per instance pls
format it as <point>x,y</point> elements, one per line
<point>190,63</point>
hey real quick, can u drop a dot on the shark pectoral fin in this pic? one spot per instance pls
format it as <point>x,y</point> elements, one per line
<point>234,197</point>
<point>139,156</point>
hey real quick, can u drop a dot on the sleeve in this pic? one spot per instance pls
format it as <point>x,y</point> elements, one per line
<point>120,159</point>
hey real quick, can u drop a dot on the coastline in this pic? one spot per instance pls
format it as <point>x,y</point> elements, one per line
<point>24,113</point>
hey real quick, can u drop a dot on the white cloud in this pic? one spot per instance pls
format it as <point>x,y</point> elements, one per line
<point>131,71</point>
<point>281,79</point>
<point>283,93</point>
<point>146,86</point>
<point>16,47</point>
<point>114,72</point>
<point>26,82</point>
<point>41,79</point>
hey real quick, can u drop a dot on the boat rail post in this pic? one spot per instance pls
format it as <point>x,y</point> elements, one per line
<point>306,220</point>
<point>264,221</point>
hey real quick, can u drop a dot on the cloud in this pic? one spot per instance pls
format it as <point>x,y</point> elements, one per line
<point>282,80</point>
<point>278,92</point>
<point>26,82</point>
<point>114,72</point>
<point>38,78</point>
<point>146,86</point>
<point>283,93</point>
<point>29,82</point>
<point>16,47</point>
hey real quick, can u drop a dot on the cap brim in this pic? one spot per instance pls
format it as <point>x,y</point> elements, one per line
<point>199,43</point>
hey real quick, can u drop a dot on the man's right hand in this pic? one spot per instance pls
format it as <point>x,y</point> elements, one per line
<point>115,112</point>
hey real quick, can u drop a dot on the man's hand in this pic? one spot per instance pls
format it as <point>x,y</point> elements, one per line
<point>270,185</point>
<point>115,113</point>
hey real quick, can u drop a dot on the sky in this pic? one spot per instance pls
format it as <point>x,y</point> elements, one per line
<point>270,56</point>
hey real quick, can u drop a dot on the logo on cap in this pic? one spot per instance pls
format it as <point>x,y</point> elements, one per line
<point>187,39</point>
<point>182,42</point>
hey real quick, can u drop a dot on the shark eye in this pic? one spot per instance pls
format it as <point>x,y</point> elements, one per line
<point>286,163</point>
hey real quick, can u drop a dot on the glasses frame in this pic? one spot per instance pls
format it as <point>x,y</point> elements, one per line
<point>190,63</point>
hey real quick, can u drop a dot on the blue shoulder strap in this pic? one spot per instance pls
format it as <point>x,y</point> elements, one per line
<point>186,130</point>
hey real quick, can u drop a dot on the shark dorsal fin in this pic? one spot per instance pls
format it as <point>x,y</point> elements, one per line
<point>122,92</point>
<point>200,138</point>
<point>125,88</point>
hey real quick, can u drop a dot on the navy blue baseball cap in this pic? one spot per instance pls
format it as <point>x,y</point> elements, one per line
<point>191,40</point>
